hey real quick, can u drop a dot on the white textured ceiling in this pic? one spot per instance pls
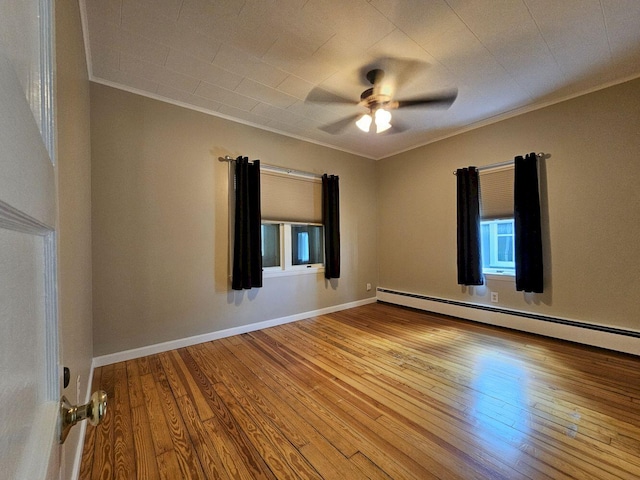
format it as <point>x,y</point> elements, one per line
<point>255,61</point>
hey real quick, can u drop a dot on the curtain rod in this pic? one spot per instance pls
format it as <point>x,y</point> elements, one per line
<point>276,168</point>
<point>502,164</point>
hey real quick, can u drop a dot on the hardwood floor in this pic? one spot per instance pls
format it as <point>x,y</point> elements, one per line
<point>375,392</point>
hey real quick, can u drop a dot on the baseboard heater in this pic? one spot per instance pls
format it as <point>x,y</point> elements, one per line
<point>612,338</point>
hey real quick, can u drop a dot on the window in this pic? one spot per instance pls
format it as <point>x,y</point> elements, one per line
<point>496,221</point>
<point>497,243</point>
<point>292,232</point>
<point>292,248</point>
<point>291,227</point>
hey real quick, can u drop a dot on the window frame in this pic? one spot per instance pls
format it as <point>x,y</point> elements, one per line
<point>286,266</point>
<point>496,267</point>
<point>289,232</point>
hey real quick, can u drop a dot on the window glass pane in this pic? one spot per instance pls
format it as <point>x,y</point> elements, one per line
<point>505,250</point>
<point>484,243</point>
<point>270,245</point>
<point>505,228</point>
<point>303,247</point>
<point>306,244</point>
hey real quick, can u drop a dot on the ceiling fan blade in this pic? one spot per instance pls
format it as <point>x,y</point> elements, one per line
<point>340,126</point>
<point>393,71</point>
<point>442,100</point>
<point>397,126</point>
<point>404,69</point>
<point>320,95</point>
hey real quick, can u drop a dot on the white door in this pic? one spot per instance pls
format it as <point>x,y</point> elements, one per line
<point>29,373</point>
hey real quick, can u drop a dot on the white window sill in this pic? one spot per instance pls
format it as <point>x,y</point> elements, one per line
<point>277,272</point>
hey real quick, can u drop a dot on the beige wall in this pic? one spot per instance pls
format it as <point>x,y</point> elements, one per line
<point>74,206</point>
<point>160,223</point>
<point>590,208</point>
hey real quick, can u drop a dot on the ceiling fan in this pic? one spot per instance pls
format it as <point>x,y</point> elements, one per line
<point>379,98</point>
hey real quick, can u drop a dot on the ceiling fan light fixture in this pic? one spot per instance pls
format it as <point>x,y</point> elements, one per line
<point>364,122</point>
<point>382,128</point>
<point>383,119</point>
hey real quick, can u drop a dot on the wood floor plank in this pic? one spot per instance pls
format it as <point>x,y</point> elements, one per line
<point>374,433</point>
<point>124,460</point>
<point>188,462</point>
<point>335,431</point>
<point>160,432</point>
<point>368,468</point>
<point>136,396</point>
<point>225,422</point>
<point>168,466</point>
<point>327,461</point>
<point>204,443</point>
<point>282,458</point>
<point>317,449</point>
<point>171,374</point>
<point>251,412</point>
<point>146,464</point>
<point>103,457</point>
<point>427,373</point>
<point>369,390</point>
<point>376,392</point>
<point>586,466</point>
<point>189,384</point>
<point>243,381</point>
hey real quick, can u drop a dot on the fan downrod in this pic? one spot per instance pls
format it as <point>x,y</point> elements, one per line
<point>371,98</point>
<point>374,75</point>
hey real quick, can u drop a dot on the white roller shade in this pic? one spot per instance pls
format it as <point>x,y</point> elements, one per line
<point>290,198</point>
<point>496,193</point>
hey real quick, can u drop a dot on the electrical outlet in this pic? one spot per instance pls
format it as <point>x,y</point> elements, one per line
<point>368,287</point>
<point>494,297</point>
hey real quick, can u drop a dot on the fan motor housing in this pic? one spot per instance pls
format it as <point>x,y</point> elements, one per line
<point>372,100</point>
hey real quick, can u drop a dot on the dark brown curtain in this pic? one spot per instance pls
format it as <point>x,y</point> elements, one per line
<point>247,244</point>
<point>469,259</point>
<point>331,222</point>
<point>528,231</point>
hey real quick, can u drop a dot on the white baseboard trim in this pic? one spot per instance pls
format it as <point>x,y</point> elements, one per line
<point>597,335</point>
<point>207,337</point>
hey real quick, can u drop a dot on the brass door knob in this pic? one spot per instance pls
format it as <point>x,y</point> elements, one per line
<point>94,411</point>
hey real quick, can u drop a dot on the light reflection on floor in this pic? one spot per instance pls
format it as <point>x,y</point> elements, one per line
<point>500,409</point>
